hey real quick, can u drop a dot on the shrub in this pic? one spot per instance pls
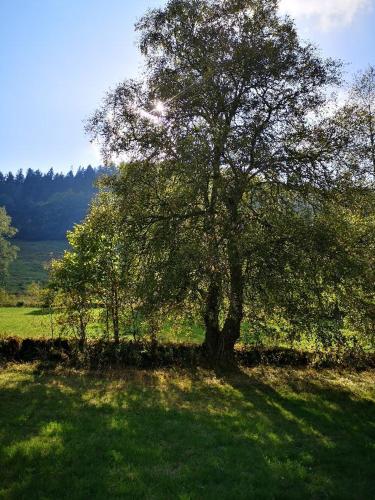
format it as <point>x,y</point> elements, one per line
<point>104,355</point>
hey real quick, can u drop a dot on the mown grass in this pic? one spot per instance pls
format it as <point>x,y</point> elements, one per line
<point>31,322</point>
<point>24,322</point>
<point>29,265</point>
<point>261,434</point>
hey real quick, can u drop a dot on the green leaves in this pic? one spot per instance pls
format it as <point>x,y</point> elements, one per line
<point>8,252</point>
<point>234,198</point>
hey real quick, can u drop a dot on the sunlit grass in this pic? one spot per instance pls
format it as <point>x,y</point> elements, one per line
<point>175,434</point>
<point>31,322</point>
<point>24,322</point>
<point>28,322</point>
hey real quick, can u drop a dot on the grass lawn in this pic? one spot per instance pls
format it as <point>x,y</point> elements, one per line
<point>178,435</point>
<point>24,322</point>
<point>31,322</point>
<point>29,265</point>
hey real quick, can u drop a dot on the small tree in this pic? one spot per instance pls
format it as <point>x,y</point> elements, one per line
<point>106,257</point>
<point>8,252</point>
<point>70,277</point>
<point>95,269</point>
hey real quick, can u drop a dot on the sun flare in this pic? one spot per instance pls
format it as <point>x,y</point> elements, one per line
<point>159,108</point>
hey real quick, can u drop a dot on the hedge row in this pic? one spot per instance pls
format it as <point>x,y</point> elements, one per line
<point>98,355</point>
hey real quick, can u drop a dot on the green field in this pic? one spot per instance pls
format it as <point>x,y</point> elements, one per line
<point>29,322</point>
<point>24,322</point>
<point>30,263</point>
<point>262,434</point>
<point>32,322</point>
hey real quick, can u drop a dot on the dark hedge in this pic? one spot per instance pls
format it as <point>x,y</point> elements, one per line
<point>102,355</point>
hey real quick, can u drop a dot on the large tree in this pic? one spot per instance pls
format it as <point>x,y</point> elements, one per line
<point>228,118</point>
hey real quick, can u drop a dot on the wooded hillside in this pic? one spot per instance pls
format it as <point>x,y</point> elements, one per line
<point>43,206</point>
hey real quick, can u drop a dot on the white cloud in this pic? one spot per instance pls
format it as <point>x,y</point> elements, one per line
<point>327,14</point>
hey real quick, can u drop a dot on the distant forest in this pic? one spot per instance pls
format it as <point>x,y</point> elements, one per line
<point>43,206</point>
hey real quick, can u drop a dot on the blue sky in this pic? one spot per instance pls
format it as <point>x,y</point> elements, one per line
<point>59,57</point>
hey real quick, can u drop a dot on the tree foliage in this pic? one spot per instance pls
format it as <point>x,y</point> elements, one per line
<point>356,121</point>
<point>7,250</point>
<point>234,199</point>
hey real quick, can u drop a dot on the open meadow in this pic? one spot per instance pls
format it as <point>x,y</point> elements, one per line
<point>24,322</point>
<point>261,433</point>
<point>32,322</point>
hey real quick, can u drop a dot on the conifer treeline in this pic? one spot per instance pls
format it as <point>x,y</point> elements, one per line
<point>43,206</point>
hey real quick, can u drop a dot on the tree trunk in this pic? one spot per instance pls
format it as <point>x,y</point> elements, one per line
<point>115,316</point>
<point>115,323</point>
<point>220,342</point>
<point>232,326</point>
<point>107,314</point>
<point>82,330</point>
<point>213,338</point>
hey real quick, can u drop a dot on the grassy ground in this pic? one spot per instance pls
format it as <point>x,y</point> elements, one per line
<point>24,322</point>
<point>261,434</point>
<point>29,265</point>
<point>31,322</point>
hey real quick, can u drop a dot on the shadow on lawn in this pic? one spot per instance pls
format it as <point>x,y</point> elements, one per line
<point>38,312</point>
<point>143,437</point>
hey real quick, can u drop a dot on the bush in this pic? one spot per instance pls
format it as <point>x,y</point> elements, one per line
<point>103,355</point>
<point>6,299</point>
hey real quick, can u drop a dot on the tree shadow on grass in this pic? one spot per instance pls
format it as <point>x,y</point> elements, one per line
<point>323,427</point>
<point>147,436</point>
<point>38,312</point>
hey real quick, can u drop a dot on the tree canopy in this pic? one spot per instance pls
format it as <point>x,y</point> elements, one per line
<point>239,197</point>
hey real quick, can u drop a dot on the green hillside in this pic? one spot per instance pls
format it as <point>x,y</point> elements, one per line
<point>30,263</point>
